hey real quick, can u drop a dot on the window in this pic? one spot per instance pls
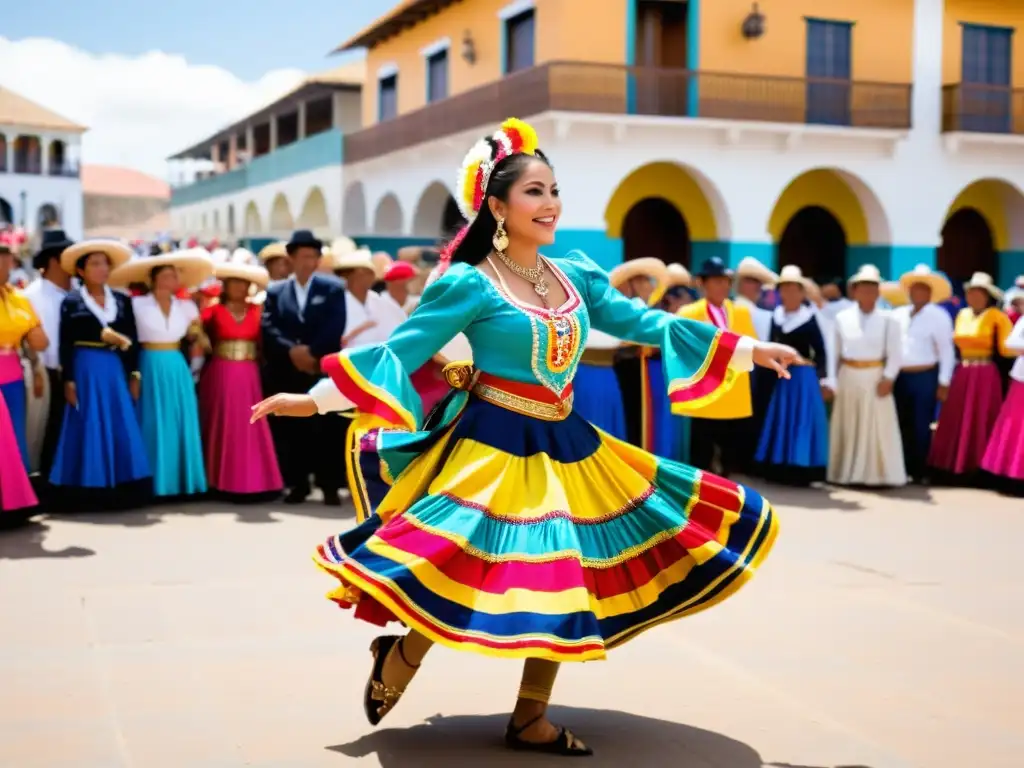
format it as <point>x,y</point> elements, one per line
<point>387,97</point>
<point>519,42</point>
<point>828,72</point>
<point>984,103</point>
<point>437,76</point>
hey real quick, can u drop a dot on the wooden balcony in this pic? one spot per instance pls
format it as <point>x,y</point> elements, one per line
<point>620,90</point>
<point>983,109</point>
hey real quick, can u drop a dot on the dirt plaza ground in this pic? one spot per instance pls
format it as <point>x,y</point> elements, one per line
<point>885,631</point>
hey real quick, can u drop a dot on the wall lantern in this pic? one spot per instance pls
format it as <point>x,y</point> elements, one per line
<point>753,25</point>
<point>468,48</point>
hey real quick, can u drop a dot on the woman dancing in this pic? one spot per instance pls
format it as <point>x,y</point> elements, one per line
<point>513,528</point>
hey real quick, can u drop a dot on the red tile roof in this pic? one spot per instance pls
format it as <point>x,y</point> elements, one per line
<point>122,182</point>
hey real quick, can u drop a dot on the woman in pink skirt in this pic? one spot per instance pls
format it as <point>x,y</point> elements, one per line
<point>975,394</point>
<point>1004,457</point>
<point>240,459</point>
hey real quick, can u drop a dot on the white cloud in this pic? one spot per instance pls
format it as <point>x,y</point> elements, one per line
<point>141,109</point>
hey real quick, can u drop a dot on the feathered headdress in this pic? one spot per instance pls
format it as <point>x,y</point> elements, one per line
<point>514,137</point>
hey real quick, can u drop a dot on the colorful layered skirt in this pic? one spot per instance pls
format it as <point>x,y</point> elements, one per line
<point>967,418</point>
<point>510,534</point>
<point>240,457</point>
<point>15,488</point>
<point>793,445</point>
<point>12,389</point>
<point>169,416</point>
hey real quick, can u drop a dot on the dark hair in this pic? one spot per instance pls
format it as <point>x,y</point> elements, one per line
<point>476,243</point>
<point>157,270</point>
<point>80,264</point>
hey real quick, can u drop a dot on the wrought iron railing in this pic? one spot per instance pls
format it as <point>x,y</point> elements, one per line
<point>982,108</point>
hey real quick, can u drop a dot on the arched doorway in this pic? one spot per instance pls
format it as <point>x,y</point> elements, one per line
<point>815,241</point>
<point>656,228</point>
<point>451,219</point>
<point>6,212</point>
<point>968,246</point>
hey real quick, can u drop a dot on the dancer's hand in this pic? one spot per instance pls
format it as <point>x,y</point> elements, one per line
<point>284,405</point>
<point>135,388</point>
<point>942,393</point>
<point>778,357</point>
<point>885,387</point>
<point>827,393</point>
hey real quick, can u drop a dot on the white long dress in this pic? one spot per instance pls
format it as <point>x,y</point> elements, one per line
<point>865,446</point>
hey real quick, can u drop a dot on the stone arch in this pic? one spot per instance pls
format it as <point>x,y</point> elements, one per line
<point>314,212</point>
<point>984,225</point>
<point>253,223</point>
<point>353,210</point>
<point>281,220</point>
<point>433,216</point>
<point>820,215</point>
<point>388,218</point>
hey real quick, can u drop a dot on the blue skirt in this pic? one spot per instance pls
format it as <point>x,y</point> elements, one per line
<point>13,394</point>
<point>598,399</point>
<point>795,431</point>
<point>170,423</point>
<point>671,433</point>
<point>100,442</point>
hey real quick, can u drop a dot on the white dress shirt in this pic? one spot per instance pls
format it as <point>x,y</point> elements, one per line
<point>867,337</point>
<point>386,315</point>
<point>927,339</point>
<point>45,298</point>
<point>301,293</point>
<point>389,300</point>
<point>833,308</point>
<point>154,326</point>
<point>1015,343</point>
<point>762,318</point>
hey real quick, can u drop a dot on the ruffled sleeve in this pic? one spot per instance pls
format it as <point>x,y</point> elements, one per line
<point>701,362</point>
<point>375,379</point>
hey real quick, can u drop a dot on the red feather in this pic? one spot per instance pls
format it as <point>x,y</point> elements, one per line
<point>515,138</point>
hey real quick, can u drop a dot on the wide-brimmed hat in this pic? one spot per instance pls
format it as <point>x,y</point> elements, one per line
<point>193,267</point>
<point>791,273</point>
<point>714,267</point>
<point>381,263</point>
<point>275,250</point>
<point>342,245</point>
<point>755,270</point>
<point>239,270</point>
<point>644,267</point>
<point>303,238</point>
<point>675,275</point>
<point>894,293</point>
<point>925,275</point>
<point>358,259</point>
<point>53,242</point>
<point>868,273</point>
<point>115,250</point>
<point>984,281</point>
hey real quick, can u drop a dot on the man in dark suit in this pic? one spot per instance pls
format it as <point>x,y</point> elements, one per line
<point>303,320</point>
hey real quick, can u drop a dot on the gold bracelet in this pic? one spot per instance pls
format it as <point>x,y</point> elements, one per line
<point>136,375</point>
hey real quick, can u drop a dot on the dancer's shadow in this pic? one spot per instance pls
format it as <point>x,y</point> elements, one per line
<point>27,543</point>
<point>617,738</point>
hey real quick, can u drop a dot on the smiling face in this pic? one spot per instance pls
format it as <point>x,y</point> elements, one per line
<point>533,207</point>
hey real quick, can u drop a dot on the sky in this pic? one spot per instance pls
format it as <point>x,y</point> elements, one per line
<point>149,83</point>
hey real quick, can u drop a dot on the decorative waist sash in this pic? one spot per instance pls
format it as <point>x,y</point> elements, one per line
<point>532,400</point>
<point>981,360</point>
<point>236,351</point>
<point>162,346</point>
<point>863,363</point>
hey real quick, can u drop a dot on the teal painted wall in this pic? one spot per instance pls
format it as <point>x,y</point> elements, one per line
<point>859,255</point>
<point>605,251</point>
<point>1011,264</point>
<point>903,258</point>
<point>318,151</point>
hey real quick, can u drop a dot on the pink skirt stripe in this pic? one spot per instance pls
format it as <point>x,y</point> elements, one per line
<point>1005,453</point>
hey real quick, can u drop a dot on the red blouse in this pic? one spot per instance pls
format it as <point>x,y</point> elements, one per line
<point>220,324</point>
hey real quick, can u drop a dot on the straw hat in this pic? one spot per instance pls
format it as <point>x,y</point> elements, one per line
<point>273,251</point>
<point>410,253</point>
<point>342,245</point>
<point>645,267</point>
<point>193,266</point>
<point>242,256</point>
<point>755,270</point>
<point>238,270</point>
<point>381,263</point>
<point>894,293</point>
<point>676,274</point>
<point>359,259</point>
<point>791,273</point>
<point>115,250</point>
<point>866,274</point>
<point>922,273</point>
<point>981,280</point>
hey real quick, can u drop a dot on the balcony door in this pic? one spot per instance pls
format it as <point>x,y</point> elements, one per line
<point>828,72</point>
<point>985,78</point>
<point>661,55</point>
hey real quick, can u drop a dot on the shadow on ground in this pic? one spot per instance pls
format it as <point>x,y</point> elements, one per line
<point>26,542</point>
<point>618,739</point>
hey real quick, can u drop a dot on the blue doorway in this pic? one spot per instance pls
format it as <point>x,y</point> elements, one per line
<point>828,72</point>
<point>985,79</point>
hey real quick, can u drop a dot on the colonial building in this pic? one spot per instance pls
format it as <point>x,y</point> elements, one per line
<point>825,135</point>
<point>39,179</point>
<point>277,169</point>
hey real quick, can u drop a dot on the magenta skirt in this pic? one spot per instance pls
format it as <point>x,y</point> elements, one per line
<point>967,419</point>
<point>15,489</point>
<point>1005,453</point>
<point>430,385</point>
<point>240,457</point>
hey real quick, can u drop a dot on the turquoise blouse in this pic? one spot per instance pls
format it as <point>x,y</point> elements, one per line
<point>528,344</point>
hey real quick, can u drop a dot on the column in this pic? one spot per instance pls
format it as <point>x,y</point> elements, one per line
<point>232,151</point>
<point>273,133</point>
<point>250,142</point>
<point>302,121</point>
<point>215,157</point>
<point>44,155</point>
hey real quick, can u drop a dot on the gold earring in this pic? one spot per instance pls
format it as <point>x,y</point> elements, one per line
<point>500,239</point>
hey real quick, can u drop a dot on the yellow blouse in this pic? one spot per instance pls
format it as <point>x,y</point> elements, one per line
<point>16,317</point>
<point>977,335</point>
